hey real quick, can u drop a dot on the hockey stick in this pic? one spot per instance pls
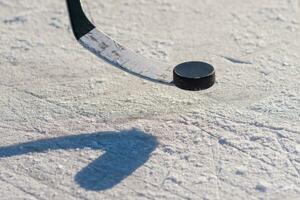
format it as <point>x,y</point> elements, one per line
<point>189,76</point>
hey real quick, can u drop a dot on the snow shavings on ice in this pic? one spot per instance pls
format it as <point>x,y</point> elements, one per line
<point>73,127</point>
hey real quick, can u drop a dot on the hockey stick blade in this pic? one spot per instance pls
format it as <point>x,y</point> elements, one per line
<point>111,51</point>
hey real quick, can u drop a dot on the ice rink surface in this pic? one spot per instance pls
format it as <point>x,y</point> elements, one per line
<point>74,127</point>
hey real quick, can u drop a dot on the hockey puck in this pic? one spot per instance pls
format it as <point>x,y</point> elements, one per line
<point>194,76</point>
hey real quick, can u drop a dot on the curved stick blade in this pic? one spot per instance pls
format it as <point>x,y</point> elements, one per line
<point>109,50</point>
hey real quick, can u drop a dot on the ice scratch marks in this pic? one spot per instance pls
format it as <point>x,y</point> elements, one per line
<point>22,44</point>
<point>9,58</point>
<point>57,104</point>
<point>215,158</point>
<point>14,185</point>
<point>261,186</point>
<point>236,60</point>
<point>15,20</point>
<point>250,148</point>
<point>287,155</point>
<point>9,176</point>
<point>56,23</point>
<point>255,124</point>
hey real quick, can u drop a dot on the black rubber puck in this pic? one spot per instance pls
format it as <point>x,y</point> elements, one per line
<point>194,76</point>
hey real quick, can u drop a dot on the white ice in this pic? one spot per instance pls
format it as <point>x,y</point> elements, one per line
<point>74,127</point>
